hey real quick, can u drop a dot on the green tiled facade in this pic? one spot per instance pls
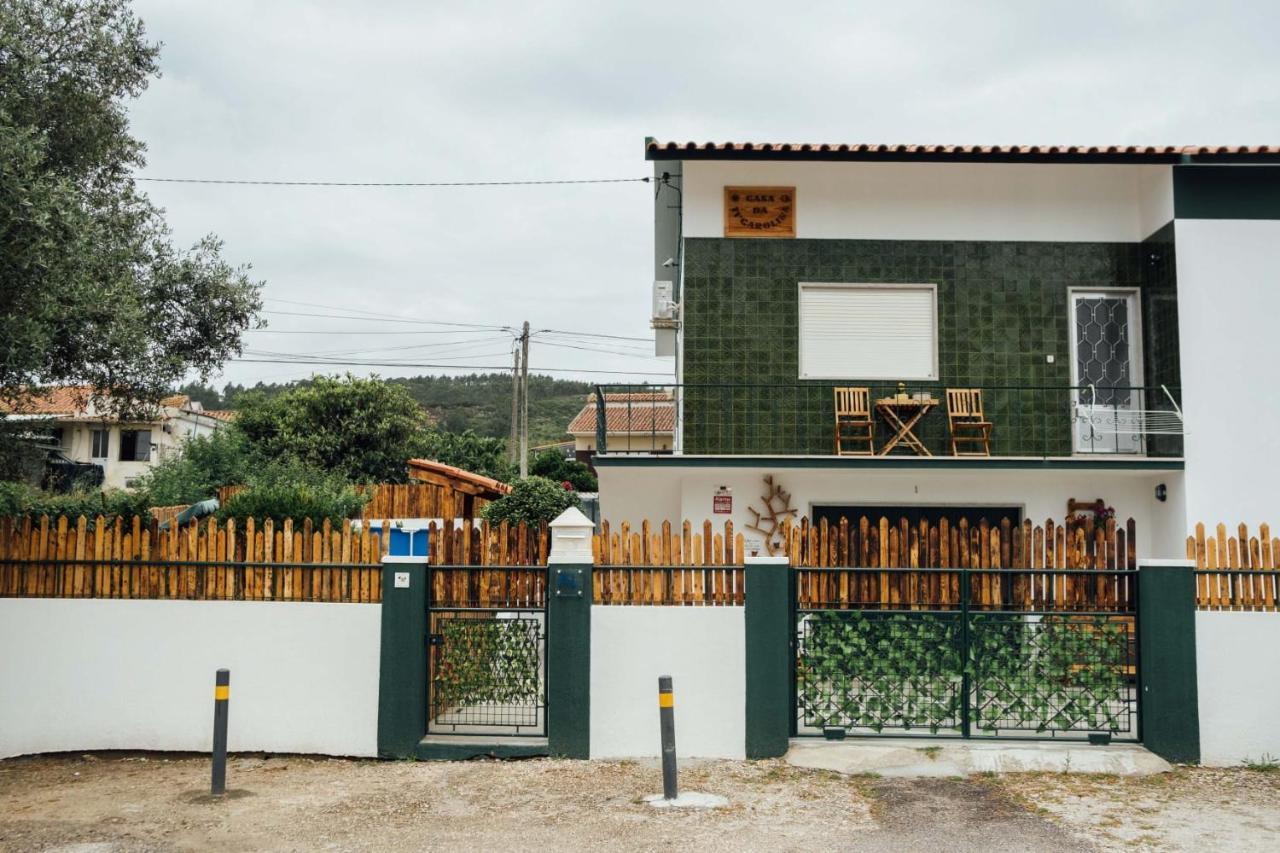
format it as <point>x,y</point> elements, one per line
<point>1002,308</point>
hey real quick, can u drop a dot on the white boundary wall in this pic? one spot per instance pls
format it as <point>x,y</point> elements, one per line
<point>703,649</point>
<point>97,674</point>
<point>1237,658</point>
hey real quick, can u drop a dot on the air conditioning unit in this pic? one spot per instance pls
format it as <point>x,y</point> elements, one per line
<point>664,306</point>
<point>665,309</point>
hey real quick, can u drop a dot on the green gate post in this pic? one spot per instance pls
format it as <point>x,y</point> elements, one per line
<point>569,598</point>
<point>769,639</point>
<point>1169,705</point>
<point>402,672</point>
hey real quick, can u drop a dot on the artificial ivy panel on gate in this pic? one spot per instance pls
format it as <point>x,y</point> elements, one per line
<point>488,672</point>
<point>877,670</point>
<point>872,670</point>
<point>1050,673</point>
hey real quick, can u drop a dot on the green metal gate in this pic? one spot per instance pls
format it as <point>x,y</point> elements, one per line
<point>486,660</point>
<point>1009,653</point>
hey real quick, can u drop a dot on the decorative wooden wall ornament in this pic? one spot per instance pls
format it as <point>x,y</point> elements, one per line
<point>769,521</point>
<point>760,211</point>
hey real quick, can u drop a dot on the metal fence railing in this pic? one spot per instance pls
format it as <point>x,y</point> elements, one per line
<point>799,418</point>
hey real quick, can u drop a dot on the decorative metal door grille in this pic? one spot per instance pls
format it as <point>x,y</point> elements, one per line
<point>1107,416</point>
<point>487,650</point>
<point>1051,655</point>
<point>1103,347</point>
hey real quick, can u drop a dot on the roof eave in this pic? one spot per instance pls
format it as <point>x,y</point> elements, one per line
<point>1131,155</point>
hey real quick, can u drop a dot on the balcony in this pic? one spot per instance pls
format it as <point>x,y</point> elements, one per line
<point>1027,422</point>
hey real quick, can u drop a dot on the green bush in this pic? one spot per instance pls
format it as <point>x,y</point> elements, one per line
<point>533,500</point>
<point>195,474</point>
<point>553,465</point>
<point>363,429</point>
<point>470,452</point>
<point>292,489</point>
<point>19,500</point>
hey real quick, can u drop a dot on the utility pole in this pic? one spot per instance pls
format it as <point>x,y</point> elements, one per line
<point>513,442</point>
<point>524,402</point>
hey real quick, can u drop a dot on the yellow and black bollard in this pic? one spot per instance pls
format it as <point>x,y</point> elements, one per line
<point>221,699</point>
<point>667,717</point>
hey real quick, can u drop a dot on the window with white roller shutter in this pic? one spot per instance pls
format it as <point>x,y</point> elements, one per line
<point>868,331</point>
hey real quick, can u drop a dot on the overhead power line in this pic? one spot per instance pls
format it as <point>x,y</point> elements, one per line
<point>591,335</point>
<point>632,354</point>
<point>390,320</point>
<point>378,332</point>
<point>500,368</point>
<point>259,183</point>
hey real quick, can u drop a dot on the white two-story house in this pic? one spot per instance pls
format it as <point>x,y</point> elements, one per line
<point>997,330</point>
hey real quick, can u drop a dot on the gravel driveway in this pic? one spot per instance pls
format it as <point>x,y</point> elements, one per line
<point>125,802</point>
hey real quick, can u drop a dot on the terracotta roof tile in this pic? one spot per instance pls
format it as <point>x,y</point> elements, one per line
<point>648,411</point>
<point>71,400</point>
<point>64,400</point>
<point>227,415</point>
<point>1005,153</point>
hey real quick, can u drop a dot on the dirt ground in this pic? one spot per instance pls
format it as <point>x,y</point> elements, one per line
<point>107,802</point>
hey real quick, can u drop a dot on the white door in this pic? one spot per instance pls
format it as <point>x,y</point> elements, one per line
<point>1106,370</point>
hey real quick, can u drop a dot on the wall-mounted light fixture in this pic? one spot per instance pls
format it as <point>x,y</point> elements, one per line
<point>1162,493</point>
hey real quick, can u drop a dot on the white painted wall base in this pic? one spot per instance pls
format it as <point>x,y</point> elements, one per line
<point>703,649</point>
<point>1237,657</point>
<point>95,674</point>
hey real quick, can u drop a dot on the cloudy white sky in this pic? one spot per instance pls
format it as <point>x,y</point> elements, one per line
<point>410,91</point>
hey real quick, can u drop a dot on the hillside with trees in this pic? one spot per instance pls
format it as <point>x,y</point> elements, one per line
<point>480,403</point>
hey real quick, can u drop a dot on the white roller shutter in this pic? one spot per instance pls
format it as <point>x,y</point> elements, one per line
<point>868,331</point>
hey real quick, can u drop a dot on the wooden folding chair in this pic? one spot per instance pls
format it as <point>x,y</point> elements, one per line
<point>853,421</point>
<point>967,423</point>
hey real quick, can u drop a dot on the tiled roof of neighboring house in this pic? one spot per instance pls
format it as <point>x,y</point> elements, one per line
<point>647,411</point>
<point>227,415</point>
<point>430,471</point>
<point>71,400</point>
<point>65,400</point>
<point>658,150</point>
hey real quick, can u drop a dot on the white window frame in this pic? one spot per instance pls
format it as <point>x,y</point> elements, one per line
<point>106,441</point>
<point>933,292</point>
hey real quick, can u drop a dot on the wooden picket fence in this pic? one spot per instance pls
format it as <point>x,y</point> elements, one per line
<point>470,543</point>
<point>1240,572</point>
<point>211,560</point>
<point>401,500</point>
<point>659,565</point>
<point>653,564</point>
<point>205,560</point>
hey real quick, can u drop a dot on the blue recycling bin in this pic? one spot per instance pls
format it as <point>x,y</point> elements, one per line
<point>408,543</point>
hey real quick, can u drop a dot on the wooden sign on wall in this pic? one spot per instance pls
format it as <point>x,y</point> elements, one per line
<point>759,211</point>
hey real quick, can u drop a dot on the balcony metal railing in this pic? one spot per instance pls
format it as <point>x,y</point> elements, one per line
<point>799,419</point>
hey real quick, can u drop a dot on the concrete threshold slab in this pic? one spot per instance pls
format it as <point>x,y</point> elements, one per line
<point>463,747</point>
<point>921,757</point>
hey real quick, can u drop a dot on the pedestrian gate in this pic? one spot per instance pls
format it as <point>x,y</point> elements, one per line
<point>966,652</point>
<point>487,630</point>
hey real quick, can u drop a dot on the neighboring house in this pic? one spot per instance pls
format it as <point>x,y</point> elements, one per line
<point>124,450</point>
<point>636,422</point>
<point>1114,307</point>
